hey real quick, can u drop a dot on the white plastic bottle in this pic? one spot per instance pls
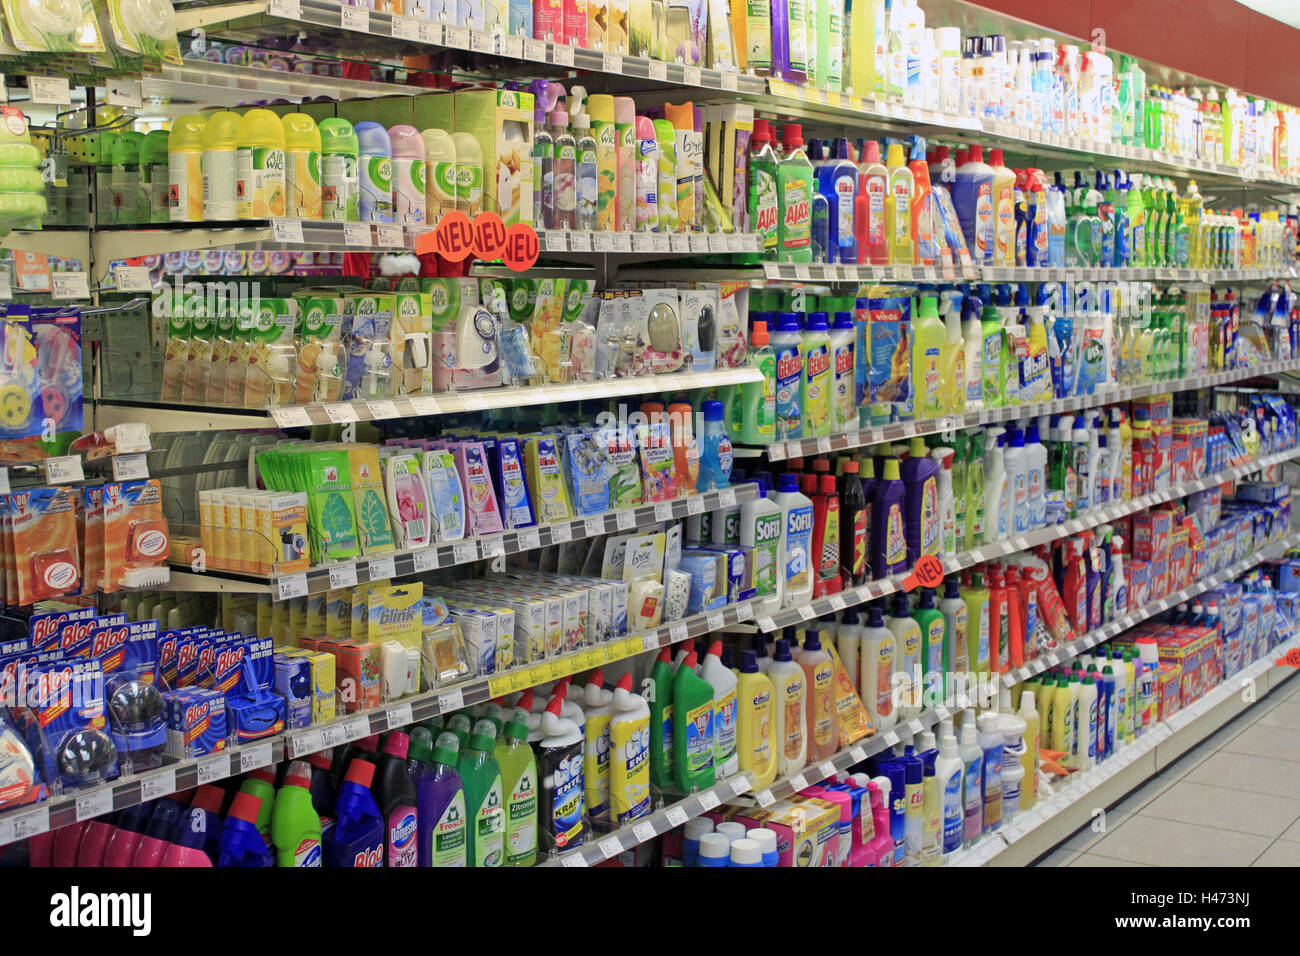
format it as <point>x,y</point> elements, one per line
<point>1087,740</point>
<point>1016,463</point>
<point>1118,584</point>
<point>879,651</point>
<point>948,769</point>
<point>1082,462</point>
<point>761,529</point>
<point>789,722</point>
<point>1036,453</point>
<point>848,641</point>
<point>796,541</point>
<point>997,497</point>
<point>907,659</point>
<point>723,680</point>
<point>1098,465</point>
<point>972,776</point>
<point>1115,468</point>
<point>629,735</point>
<point>991,741</point>
<point>599,711</point>
<point>1012,729</point>
<point>956,618</point>
<point>947,503</point>
<point>973,351</point>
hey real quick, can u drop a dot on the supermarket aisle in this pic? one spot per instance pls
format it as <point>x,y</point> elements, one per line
<point>1229,802</point>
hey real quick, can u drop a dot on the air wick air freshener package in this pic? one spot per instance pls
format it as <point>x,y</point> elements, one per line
<point>68,27</point>
<point>45,543</point>
<point>146,27</point>
<point>272,373</point>
<point>321,355</point>
<point>370,371</point>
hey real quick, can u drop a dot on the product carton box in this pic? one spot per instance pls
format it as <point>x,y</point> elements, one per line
<point>1151,531</point>
<point>1169,678</point>
<point>807,830</point>
<point>502,122</point>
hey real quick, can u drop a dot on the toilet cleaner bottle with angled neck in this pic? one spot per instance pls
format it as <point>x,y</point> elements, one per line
<point>484,797</point>
<point>563,817</point>
<point>693,730</point>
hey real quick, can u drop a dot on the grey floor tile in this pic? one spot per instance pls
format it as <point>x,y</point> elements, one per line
<point>1086,838</point>
<point>1285,714</point>
<point>1241,810</point>
<point>1280,778</point>
<point>1158,842</point>
<point>1262,740</point>
<point>1061,856</point>
<point>1292,834</point>
<point>1096,859</point>
<point>1281,853</point>
<point>1144,794</point>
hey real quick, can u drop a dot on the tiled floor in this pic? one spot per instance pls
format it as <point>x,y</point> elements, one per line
<point>1231,801</point>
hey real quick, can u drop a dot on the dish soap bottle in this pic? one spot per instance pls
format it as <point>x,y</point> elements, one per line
<point>794,189</point>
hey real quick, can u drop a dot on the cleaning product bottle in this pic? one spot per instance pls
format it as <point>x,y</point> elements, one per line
<point>208,799</point>
<point>302,166</point>
<point>787,344</point>
<point>519,786</point>
<point>922,519</point>
<point>758,399</point>
<point>947,502</point>
<point>928,340</point>
<point>972,758</point>
<point>796,541</point>
<point>837,181</point>
<point>795,188</point>
<point>261,784</point>
<point>854,518</point>
<point>956,617</point>
<point>339,184</point>
<point>185,189</point>
<point>972,195</point>
<point>789,724</point>
<point>973,352</point>
<point>948,775</point>
<point>818,380</point>
<point>907,658</point>
<point>934,660</point>
<point>693,731</point>
<point>889,544</point>
<point>1002,193</point>
<point>598,711</point>
<point>819,678</point>
<point>826,538</point>
<point>876,680</point>
<point>484,798</point>
<point>1016,465</point>
<point>761,523</point>
<point>187,841</point>
<point>374,173</point>
<point>991,742</point>
<point>952,358</point>
<point>220,166</point>
<point>843,347</point>
<point>563,816</point>
<point>661,720</point>
<point>898,208</point>
<point>358,835</point>
<point>629,767</point>
<point>295,826</point>
<point>914,805</point>
<point>395,795</point>
<point>241,843</point>
<point>997,494</point>
<point>873,186</point>
<point>980,627</point>
<point>723,681</point>
<point>408,175</point>
<point>1028,712</point>
<point>848,641</point>
<point>441,811</point>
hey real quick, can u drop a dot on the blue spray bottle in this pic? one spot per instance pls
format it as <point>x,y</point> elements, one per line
<point>893,770</point>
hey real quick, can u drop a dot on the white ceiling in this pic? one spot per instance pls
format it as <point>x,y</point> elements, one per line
<point>1288,11</point>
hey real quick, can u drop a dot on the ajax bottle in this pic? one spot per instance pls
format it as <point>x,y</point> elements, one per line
<point>794,189</point>
<point>443,819</point>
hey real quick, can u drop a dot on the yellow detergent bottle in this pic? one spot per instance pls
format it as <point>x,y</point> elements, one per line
<point>259,185</point>
<point>220,143</point>
<point>755,698</point>
<point>185,168</point>
<point>928,336</point>
<point>301,166</point>
<point>898,208</point>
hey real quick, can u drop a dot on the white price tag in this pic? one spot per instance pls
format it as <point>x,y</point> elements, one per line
<point>561,532</point>
<point>625,520</point>
<point>383,408</point>
<point>69,285</point>
<point>49,89</point>
<point>389,235</point>
<point>406,28</point>
<point>659,71</point>
<point>837,602</point>
<point>480,41</point>
<point>663,511</point>
<point>593,525</point>
<point>730,81</point>
<point>64,470</point>
<point>430,32</point>
<point>644,832</point>
<point>857,754</point>
<point>691,76</point>
<point>31,823</point>
<point>727,498</point>
<point>678,631</point>
<point>694,505</point>
<point>133,467</point>
<point>650,642</point>
<point>158,785</point>
<point>716,621</point>
<point>745,612</point>
<point>213,768</point>
<point>740,784</point>
<point>457,37</point>
<point>289,9</point>
<point>356,19</point>
<point>611,63</point>
<point>610,846</point>
<point>535,50</point>
<point>799,782</point>
<point>823,445</point>
<point>399,715</point>
<point>527,539</point>
<point>132,279</point>
<point>891,738</point>
<point>764,798</point>
<point>341,413</point>
<point>463,552</point>
<point>827,769</point>
<point>4,480</point>
<point>451,700</point>
<point>94,804</point>
<point>425,560</point>
<point>675,816</point>
<point>382,569</point>
<point>575,859</point>
<point>332,736</point>
<point>356,233</point>
<point>709,800</point>
<point>512,46</point>
<point>579,241</point>
<point>254,756</point>
<point>295,417</point>
<point>914,727</point>
<point>308,742</point>
<point>562,54</point>
<point>806,612</point>
<point>492,546</point>
<point>293,586</point>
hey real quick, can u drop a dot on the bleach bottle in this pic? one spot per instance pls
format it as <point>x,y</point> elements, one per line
<point>241,843</point>
<point>395,795</point>
<point>295,826</point>
<point>357,838</point>
<point>440,808</point>
<point>483,797</point>
<point>563,812</point>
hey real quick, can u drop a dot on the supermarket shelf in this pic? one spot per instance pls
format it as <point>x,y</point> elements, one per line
<point>857,274</point>
<point>402,563</point>
<point>281,16</point>
<point>200,83</point>
<point>166,418</point>
<point>647,243</point>
<point>1072,805</point>
<point>901,431</point>
<point>851,597</point>
<point>677,813</point>
<point>186,774</point>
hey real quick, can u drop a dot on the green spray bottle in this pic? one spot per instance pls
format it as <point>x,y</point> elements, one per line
<point>484,799</point>
<point>693,728</point>
<point>519,787</point>
<point>261,784</point>
<point>661,720</point>
<point>993,360</point>
<point>295,825</point>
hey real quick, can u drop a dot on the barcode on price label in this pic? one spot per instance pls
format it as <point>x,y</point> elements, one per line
<point>254,756</point>
<point>344,576</point>
<point>158,785</point>
<point>94,804</point>
<point>764,798</point>
<point>214,768</point>
<point>644,832</point>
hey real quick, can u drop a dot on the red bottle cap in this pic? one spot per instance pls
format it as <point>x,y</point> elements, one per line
<point>361,771</point>
<point>209,798</point>
<point>246,807</point>
<point>265,774</point>
<point>597,677</point>
<point>995,157</point>
<point>525,700</point>
<point>665,655</point>
<point>555,706</point>
<point>715,649</point>
<point>758,335</point>
<point>319,760</point>
<point>827,484</point>
<point>690,660</point>
<point>625,682</point>
<point>792,136</point>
